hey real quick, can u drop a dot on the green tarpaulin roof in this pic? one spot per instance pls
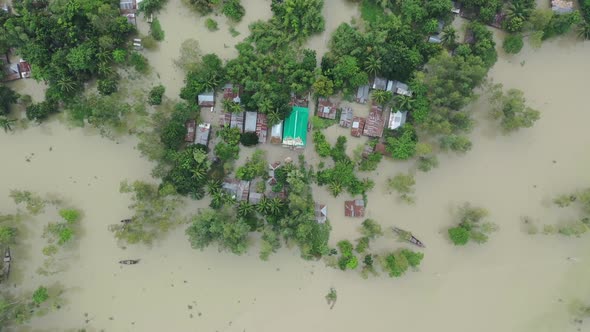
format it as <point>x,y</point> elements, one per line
<point>295,132</point>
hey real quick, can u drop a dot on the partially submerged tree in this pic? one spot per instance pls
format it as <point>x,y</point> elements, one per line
<point>404,185</point>
<point>471,225</point>
<point>511,109</point>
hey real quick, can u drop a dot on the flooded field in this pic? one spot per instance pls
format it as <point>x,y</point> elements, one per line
<point>515,282</point>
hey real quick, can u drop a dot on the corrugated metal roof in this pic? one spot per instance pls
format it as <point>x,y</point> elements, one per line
<point>375,123</point>
<point>362,94</point>
<point>346,117</point>
<point>237,121</point>
<point>261,128</point>
<point>295,132</point>
<point>250,123</point>
<point>202,135</point>
<point>190,130</point>
<point>358,124</point>
<point>276,133</point>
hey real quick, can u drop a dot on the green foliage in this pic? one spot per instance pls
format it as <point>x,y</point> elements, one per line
<point>40,295</point>
<point>228,149</point>
<point>68,42</point>
<point>220,226</point>
<point>371,229</point>
<point>404,145</point>
<point>8,230</point>
<point>298,18</point>
<point>371,12</point>
<point>270,242</point>
<point>249,139</point>
<point>457,143</point>
<point>323,86</point>
<point>34,203</point>
<point>362,245</point>
<point>397,263</point>
<point>321,123</point>
<point>404,185</point>
<point>510,108</point>
<point>321,145</point>
<point>7,97</point>
<point>106,113</point>
<point>255,167</point>
<point>331,297</point>
<point>342,176</point>
<point>381,97</point>
<point>154,212</point>
<point>205,76</point>
<point>561,24</point>
<point>155,95</point>
<point>139,62</point>
<point>41,111</point>
<point>211,24</point>
<point>513,44</point>
<point>190,168</point>
<point>204,6</point>
<point>70,215</point>
<point>173,130</point>
<point>149,7</point>
<point>470,225</point>
<point>156,30</point>
<point>233,9</point>
<point>108,85</point>
<point>459,235</point>
<point>347,260</point>
<point>371,162</point>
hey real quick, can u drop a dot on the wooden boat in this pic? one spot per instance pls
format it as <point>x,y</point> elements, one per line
<point>129,261</point>
<point>407,236</point>
<point>6,264</point>
<point>126,221</point>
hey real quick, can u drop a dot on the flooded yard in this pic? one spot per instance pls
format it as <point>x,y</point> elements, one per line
<point>515,282</point>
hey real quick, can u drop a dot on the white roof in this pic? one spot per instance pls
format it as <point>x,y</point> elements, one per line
<point>356,124</point>
<point>397,119</point>
<point>250,124</point>
<point>277,130</point>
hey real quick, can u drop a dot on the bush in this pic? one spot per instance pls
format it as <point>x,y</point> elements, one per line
<point>459,235</point>
<point>513,44</point>
<point>456,143</point>
<point>234,10</point>
<point>149,7</point>
<point>108,85</point>
<point>40,111</point>
<point>211,24</point>
<point>119,55</point>
<point>70,215</point>
<point>249,139</point>
<point>139,62</point>
<point>149,42</point>
<point>156,30</point>
<point>155,96</point>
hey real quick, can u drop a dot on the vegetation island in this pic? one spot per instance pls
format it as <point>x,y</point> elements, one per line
<point>404,64</point>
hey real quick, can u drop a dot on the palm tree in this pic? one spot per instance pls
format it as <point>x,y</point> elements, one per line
<point>6,123</point>
<point>518,10</point>
<point>231,107</point>
<point>199,173</point>
<point>449,37</point>
<point>275,206</point>
<point>213,186</point>
<point>584,30</point>
<point>265,106</point>
<point>404,102</point>
<point>66,85</point>
<point>335,188</point>
<point>217,199</point>
<point>372,65</point>
<point>274,117</point>
<point>245,209</point>
<point>263,206</point>
<point>381,97</point>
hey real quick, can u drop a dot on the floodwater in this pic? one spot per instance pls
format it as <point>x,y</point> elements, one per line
<point>515,282</point>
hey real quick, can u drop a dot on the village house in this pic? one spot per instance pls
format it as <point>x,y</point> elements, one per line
<point>191,126</point>
<point>562,6</point>
<point>346,117</point>
<point>295,131</point>
<point>379,83</point>
<point>362,94</point>
<point>206,99</point>
<point>261,127</point>
<point>399,88</point>
<point>298,101</point>
<point>397,119</point>
<point>237,121</point>
<point>321,213</point>
<point>250,123</point>
<point>202,134</point>
<point>326,109</point>
<point>271,172</point>
<point>375,122</point>
<point>232,92</point>
<point>14,71</point>
<point>128,9</point>
<point>354,208</point>
<point>224,119</point>
<point>358,124</point>
<point>238,189</point>
<point>276,133</point>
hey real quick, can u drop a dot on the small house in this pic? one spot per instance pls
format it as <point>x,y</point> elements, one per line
<point>434,39</point>
<point>354,208</point>
<point>206,99</point>
<point>399,88</point>
<point>397,119</point>
<point>276,133</point>
<point>202,134</point>
<point>375,123</point>
<point>128,6</point>
<point>562,6</point>
<point>358,125</point>
<point>261,127</point>
<point>379,83</point>
<point>191,126</point>
<point>362,94</point>
<point>232,92</point>
<point>237,121</point>
<point>238,189</point>
<point>346,117</point>
<point>321,213</point>
<point>250,123</point>
<point>295,131</point>
<point>25,69</point>
<point>224,119</point>
<point>326,109</point>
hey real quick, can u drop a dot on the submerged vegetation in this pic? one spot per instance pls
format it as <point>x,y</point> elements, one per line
<point>471,225</point>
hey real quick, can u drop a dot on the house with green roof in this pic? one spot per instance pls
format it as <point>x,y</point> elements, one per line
<point>295,128</point>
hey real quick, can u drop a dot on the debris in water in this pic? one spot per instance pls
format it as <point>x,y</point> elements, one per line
<point>190,306</point>
<point>50,148</point>
<point>191,315</point>
<point>200,314</point>
<point>111,318</point>
<point>554,161</point>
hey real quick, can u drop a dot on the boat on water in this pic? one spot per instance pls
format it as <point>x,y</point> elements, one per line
<point>407,236</point>
<point>126,221</point>
<point>129,261</point>
<point>5,264</point>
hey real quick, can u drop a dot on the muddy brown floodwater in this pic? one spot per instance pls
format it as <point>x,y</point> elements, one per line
<point>516,282</point>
